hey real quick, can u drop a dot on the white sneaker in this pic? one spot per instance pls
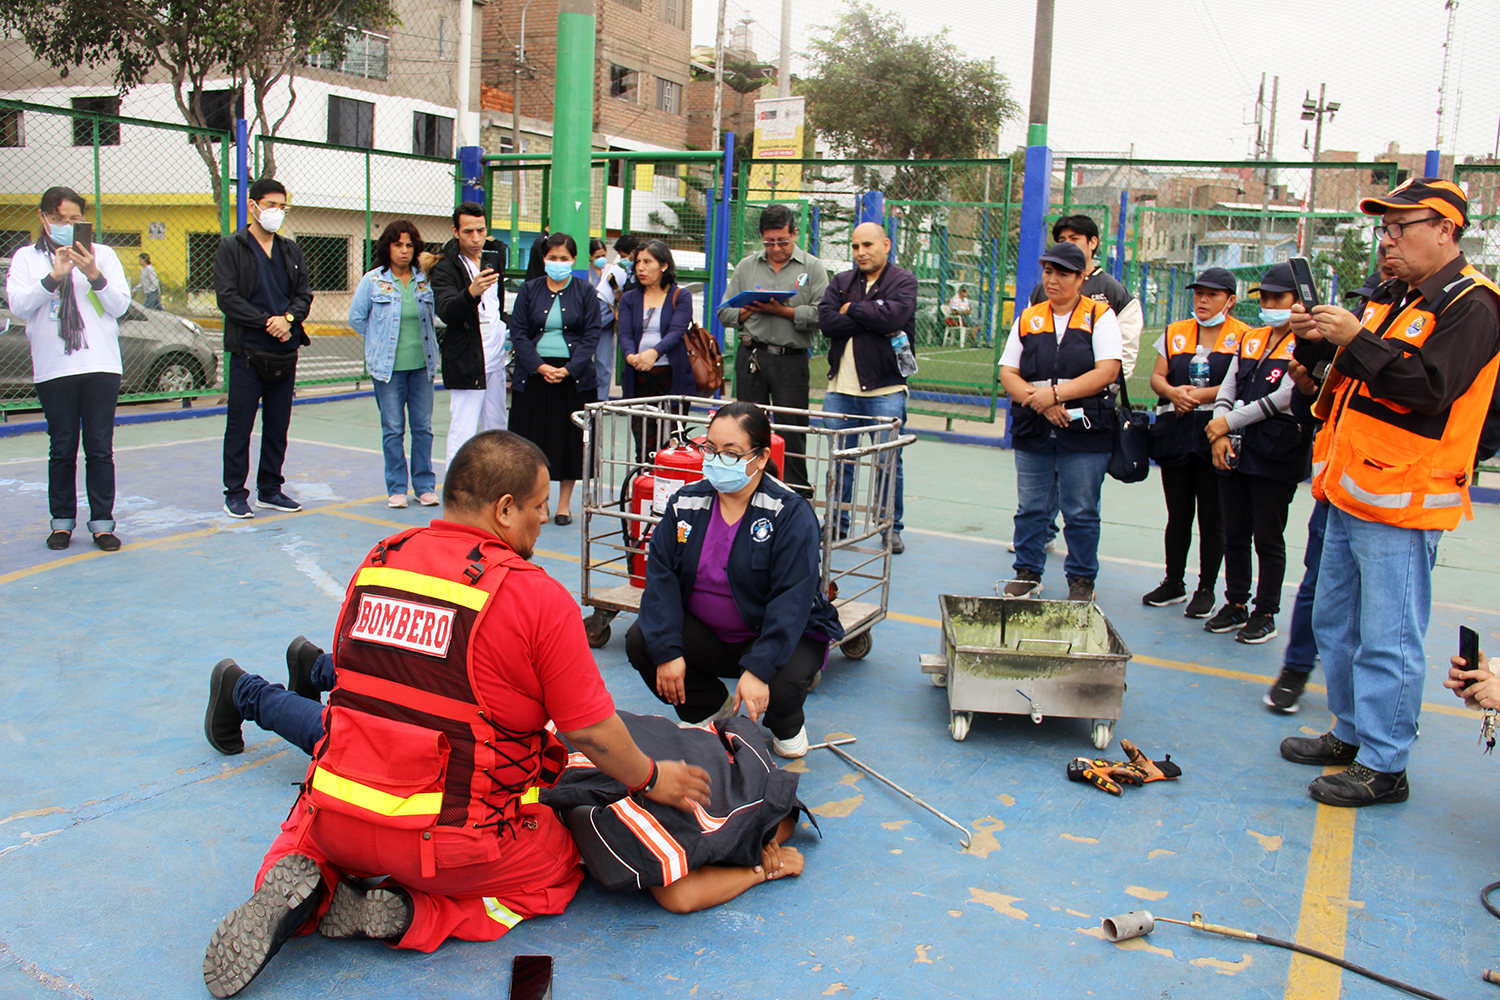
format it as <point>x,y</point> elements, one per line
<point>428,499</point>
<point>397,500</point>
<point>794,747</point>
<point>724,712</point>
<point>1049,547</point>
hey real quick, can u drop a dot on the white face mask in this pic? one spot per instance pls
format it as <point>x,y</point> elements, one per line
<point>271,219</point>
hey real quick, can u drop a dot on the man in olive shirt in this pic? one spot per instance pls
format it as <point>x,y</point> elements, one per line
<point>771,363</point>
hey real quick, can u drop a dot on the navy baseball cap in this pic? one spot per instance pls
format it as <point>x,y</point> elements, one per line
<point>1372,282</point>
<point>1067,255</point>
<point>1278,278</point>
<point>1217,279</point>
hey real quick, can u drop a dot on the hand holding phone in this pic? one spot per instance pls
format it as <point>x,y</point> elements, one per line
<point>1468,647</point>
<point>489,260</point>
<point>83,235</point>
<point>1307,290</point>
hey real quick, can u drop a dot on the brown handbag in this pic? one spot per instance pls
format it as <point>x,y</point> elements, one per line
<point>704,354</point>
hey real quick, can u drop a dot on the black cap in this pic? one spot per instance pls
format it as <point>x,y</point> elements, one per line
<point>1278,278</point>
<point>1372,282</point>
<point>1067,255</point>
<point>1443,197</point>
<point>1217,279</point>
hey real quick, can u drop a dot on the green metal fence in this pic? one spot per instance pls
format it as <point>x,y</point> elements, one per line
<point>150,190</point>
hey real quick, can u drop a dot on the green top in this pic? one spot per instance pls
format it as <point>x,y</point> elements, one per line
<point>552,344</point>
<point>409,353</point>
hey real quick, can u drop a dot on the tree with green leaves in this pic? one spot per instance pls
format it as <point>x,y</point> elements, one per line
<point>873,90</point>
<point>257,44</point>
<point>1350,261</point>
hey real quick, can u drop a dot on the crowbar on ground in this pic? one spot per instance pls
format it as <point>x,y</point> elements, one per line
<point>834,746</point>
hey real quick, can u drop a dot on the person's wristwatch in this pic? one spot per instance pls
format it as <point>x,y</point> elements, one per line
<point>290,319</point>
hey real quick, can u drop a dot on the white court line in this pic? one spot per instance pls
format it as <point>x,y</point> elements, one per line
<point>345,447</point>
<point>1119,560</point>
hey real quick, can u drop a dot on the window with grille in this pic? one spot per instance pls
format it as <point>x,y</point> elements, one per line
<point>669,97</point>
<point>366,54</point>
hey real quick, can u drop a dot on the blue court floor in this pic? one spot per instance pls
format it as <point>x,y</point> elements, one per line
<point>124,837</point>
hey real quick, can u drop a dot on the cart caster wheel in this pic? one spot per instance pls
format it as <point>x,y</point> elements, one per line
<point>596,628</point>
<point>859,647</point>
<point>958,724</point>
<point>817,679</point>
<point>1104,732</point>
<point>939,680</point>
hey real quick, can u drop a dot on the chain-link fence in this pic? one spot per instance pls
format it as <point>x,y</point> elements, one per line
<point>951,223</point>
<point>153,193</point>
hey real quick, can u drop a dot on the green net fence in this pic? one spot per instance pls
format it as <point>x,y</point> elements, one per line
<point>152,199</point>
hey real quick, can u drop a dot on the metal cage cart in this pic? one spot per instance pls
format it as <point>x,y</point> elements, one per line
<point>626,488</point>
<point>1019,656</point>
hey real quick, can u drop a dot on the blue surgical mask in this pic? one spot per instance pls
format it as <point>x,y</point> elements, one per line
<point>1215,320</point>
<point>601,262</point>
<point>62,235</point>
<point>725,474</point>
<point>559,270</point>
<point>1275,317</point>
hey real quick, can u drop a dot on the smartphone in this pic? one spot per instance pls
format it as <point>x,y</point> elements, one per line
<point>83,233</point>
<point>489,259</point>
<point>531,977</point>
<point>1468,647</point>
<point>1302,277</point>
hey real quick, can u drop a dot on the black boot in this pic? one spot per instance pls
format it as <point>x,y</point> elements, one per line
<point>300,657</point>
<point>222,721</point>
<point>250,936</point>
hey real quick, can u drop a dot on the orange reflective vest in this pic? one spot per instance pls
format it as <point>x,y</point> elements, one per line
<point>1385,462</point>
<point>409,742</point>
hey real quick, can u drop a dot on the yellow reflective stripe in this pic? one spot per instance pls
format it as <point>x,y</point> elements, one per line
<point>531,796</point>
<point>500,913</point>
<point>373,799</point>
<point>421,583</point>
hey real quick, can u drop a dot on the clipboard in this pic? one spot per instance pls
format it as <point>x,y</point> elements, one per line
<point>743,299</point>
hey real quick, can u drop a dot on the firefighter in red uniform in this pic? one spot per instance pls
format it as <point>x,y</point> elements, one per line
<point>436,746</point>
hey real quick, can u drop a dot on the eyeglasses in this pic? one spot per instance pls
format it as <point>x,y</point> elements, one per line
<point>709,451</point>
<point>775,244</point>
<point>1396,230</point>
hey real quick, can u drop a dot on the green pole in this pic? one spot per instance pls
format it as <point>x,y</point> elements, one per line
<point>224,185</point>
<point>369,248</point>
<point>573,120</point>
<point>98,202</point>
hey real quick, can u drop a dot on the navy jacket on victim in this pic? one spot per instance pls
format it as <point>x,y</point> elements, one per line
<point>773,574</point>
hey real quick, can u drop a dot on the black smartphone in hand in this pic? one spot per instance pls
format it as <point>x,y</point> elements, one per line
<point>83,235</point>
<point>489,260</point>
<point>531,977</point>
<point>1307,291</point>
<point>1468,647</point>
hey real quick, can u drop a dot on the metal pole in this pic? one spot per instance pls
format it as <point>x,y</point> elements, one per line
<point>461,72</point>
<point>880,777</point>
<point>719,79</point>
<point>1036,193</point>
<point>515,135</point>
<point>98,202</point>
<point>784,64</point>
<point>573,120</point>
<point>242,167</point>
<point>1312,190</point>
<point>369,245</point>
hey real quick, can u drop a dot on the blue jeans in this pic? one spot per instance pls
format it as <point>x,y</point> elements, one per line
<point>273,708</point>
<point>855,407</point>
<point>408,392</point>
<point>1301,644</point>
<point>1075,478</point>
<point>1370,619</point>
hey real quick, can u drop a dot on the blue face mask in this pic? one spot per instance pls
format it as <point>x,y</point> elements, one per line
<point>601,262</point>
<point>725,474</point>
<point>1275,317</point>
<point>1215,320</point>
<point>62,235</point>
<point>559,270</point>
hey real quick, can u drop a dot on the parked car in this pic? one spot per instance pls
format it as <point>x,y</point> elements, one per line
<point>160,352</point>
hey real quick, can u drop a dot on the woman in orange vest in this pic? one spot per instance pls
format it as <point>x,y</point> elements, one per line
<point>1259,473</point>
<point>1210,338</point>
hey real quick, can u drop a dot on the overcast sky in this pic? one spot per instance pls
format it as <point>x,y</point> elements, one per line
<point>1178,78</point>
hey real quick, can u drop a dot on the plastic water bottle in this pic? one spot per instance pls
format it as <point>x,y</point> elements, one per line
<point>1198,367</point>
<point>906,361</point>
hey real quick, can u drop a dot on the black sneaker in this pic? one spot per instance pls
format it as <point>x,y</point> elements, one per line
<point>1231,617</point>
<point>1258,629</point>
<point>381,914</point>
<point>278,501</point>
<point>1027,583</point>
<point>1080,588</point>
<point>300,657</point>
<point>1201,606</point>
<point>238,507</point>
<point>1360,786</point>
<point>1319,750</point>
<point>1167,593</point>
<point>897,545</point>
<point>251,936</point>
<point>222,721</point>
<point>1283,695</point>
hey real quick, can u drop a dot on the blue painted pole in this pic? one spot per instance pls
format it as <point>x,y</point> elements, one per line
<point>1117,266</point>
<point>815,230</point>
<point>1434,163</point>
<point>1036,195</point>
<point>872,208</point>
<point>471,169</point>
<point>717,263</point>
<point>242,172</point>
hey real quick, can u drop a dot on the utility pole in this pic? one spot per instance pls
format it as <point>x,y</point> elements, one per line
<point>1036,193</point>
<point>1314,112</point>
<point>1268,176</point>
<point>784,64</point>
<point>1435,155</point>
<point>719,79</point>
<point>461,72</point>
<point>517,65</point>
<point>573,121</point>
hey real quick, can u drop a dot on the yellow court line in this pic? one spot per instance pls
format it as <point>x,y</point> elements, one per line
<point>1323,922</point>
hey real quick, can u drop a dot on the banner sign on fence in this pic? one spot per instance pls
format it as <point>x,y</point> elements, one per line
<point>779,127</point>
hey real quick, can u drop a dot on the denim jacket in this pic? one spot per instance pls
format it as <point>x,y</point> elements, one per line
<point>375,315</point>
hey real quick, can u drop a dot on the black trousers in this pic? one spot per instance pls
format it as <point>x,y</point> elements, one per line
<point>646,430</point>
<point>780,379</point>
<point>1255,511</point>
<point>1191,488</point>
<point>80,407</point>
<point>247,392</point>
<point>709,658</point>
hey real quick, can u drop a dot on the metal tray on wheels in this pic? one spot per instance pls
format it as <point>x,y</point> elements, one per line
<point>856,563</point>
<point>1020,656</point>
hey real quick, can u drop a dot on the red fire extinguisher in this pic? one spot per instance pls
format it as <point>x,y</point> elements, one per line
<point>649,492</point>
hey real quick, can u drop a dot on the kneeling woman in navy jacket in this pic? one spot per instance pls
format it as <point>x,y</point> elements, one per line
<point>733,590</point>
